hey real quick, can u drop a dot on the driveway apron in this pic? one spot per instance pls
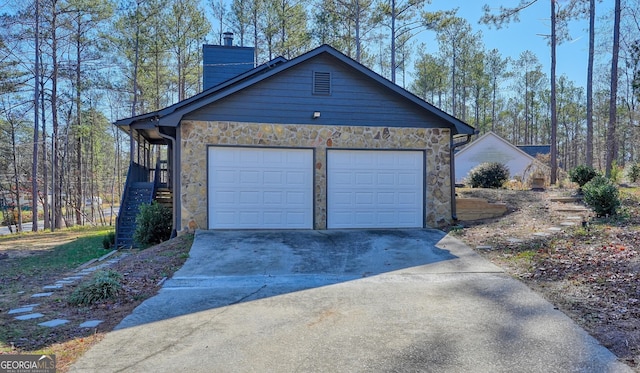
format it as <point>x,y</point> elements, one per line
<point>344,301</point>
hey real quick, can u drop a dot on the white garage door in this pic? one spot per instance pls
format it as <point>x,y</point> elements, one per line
<point>260,188</point>
<point>374,189</point>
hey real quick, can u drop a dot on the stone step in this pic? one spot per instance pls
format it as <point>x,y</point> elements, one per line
<point>478,208</point>
<point>563,199</point>
<point>573,210</point>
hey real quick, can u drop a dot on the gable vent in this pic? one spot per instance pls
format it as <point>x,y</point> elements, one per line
<point>321,83</point>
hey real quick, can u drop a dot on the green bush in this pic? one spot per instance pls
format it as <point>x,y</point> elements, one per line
<point>109,240</point>
<point>634,172</point>
<point>582,174</point>
<point>602,195</point>
<point>104,285</point>
<point>488,175</point>
<point>153,224</point>
<point>616,173</point>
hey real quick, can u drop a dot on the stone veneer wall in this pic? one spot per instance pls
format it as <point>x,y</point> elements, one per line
<point>197,135</point>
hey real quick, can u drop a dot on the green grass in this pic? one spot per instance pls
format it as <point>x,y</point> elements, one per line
<point>528,255</point>
<point>87,246</point>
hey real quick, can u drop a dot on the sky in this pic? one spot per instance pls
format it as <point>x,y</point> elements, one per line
<point>516,37</point>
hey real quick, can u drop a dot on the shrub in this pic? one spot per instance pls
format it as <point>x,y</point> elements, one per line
<point>634,172</point>
<point>602,195</point>
<point>616,173</point>
<point>109,240</point>
<point>582,174</point>
<point>488,175</point>
<point>153,224</point>
<point>104,285</point>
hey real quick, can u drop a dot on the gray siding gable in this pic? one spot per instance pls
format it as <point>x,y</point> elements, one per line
<point>288,98</point>
<point>279,92</point>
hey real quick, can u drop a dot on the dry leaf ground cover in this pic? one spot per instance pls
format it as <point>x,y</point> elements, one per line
<point>591,273</point>
<point>26,261</point>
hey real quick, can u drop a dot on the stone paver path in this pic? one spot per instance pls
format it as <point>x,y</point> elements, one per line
<point>29,316</point>
<point>26,312</point>
<point>23,309</point>
<point>53,323</point>
<point>90,324</point>
<point>573,214</point>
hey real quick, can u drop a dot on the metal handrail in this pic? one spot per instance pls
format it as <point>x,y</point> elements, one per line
<point>127,185</point>
<point>136,173</point>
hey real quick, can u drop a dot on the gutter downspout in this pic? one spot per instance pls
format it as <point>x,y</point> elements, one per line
<point>452,163</point>
<point>174,232</point>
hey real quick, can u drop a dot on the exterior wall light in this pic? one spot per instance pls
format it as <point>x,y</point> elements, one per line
<point>316,115</point>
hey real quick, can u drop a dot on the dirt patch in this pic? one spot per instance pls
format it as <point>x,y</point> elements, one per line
<point>589,272</point>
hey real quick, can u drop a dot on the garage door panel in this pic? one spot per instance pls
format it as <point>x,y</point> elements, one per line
<point>293,217</point>
<point>375,189</point>
<point>386,218</point>
<point>256,188</point>
<point>274,159</point>
<point>408,179</point>
<point>364,218</point>
<point>388,179</point>
<point>295,160</point>
<point>272,178</point>
<point>251,217</point>
<point>364,178</point>
<point>225,176</point>
<point>249,198</point>
<point>343,178</point>
<point>252,177</point>
<point>273,198</point>
<point>296,178</point>
<point>407,198</point>
<point>360,159</point>
<point>364,199</point>
<point>247,156</point>
<point>341,198</point>
<point>296,199</point>
<point>225,197</point>
<point>385,198</point>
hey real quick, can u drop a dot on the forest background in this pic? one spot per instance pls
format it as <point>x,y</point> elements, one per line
<point>69,68</point>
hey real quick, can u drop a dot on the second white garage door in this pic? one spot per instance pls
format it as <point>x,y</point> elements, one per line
<point>375,189</point>
<point>260,188</point>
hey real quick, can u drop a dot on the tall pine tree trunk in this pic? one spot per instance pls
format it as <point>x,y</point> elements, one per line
<point>612,145</point>
<point>554,118</point>
<point>79,188</point>
<point>393,41</point>
<point>45,166</point>
<point>589,147</point>
<point>57,192</point>
<point>36,95</point>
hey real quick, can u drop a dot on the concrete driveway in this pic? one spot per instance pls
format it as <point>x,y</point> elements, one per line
<point>344,301</point>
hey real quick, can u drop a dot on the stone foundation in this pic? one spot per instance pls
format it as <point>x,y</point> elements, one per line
<point>195,136</point>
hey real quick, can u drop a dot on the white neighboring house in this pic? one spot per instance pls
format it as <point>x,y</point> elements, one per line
<point>491,148</point>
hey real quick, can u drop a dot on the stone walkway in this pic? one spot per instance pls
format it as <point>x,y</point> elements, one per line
<point>573,213</point>
<point>29,311</point>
